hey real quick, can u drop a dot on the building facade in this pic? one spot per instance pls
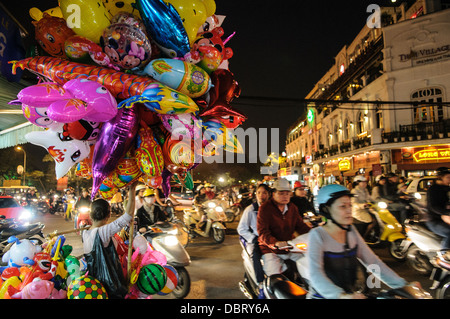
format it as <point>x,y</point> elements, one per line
<point>381,107</point>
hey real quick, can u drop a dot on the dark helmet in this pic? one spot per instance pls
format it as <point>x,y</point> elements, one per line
<point>441,171</point>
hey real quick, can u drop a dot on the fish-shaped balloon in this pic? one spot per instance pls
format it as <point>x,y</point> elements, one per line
<point>163,100</point>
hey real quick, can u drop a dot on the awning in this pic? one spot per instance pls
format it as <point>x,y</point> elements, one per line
<point>351,172</point>
<point>16,135</point>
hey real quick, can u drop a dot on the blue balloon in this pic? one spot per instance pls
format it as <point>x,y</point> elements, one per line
<point>164,25</point>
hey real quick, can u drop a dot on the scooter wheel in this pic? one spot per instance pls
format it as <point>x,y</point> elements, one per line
<point>218,235</point>
<point>396,250</point>
<point>184,283</point>
<point>443,292</point>
<point>419,261</point>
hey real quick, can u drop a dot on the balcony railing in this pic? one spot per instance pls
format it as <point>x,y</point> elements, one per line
<point>419,131</point>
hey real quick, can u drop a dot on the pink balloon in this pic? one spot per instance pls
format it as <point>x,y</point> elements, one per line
<point>116,137</point>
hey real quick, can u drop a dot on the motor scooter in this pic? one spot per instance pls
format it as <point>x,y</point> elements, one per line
<point>386,230</point>
<point>10,227</point>
<point>441,275</point>
<point>278,286</point>
<point>211,221</point>
<point>82,217</point>
<point>162,236</point>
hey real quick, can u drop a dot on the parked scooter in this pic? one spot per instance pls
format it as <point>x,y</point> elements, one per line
<point>441,275</point>
<point>10,227</point>
<point>56,204</point>
<point>207,223</point>
<point>162,237</point>
<point>386,230</point>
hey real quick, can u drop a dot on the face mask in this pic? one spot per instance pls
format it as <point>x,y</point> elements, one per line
<point>148,200</point>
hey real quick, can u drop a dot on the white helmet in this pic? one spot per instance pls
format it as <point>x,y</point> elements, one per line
<point>360,178</point>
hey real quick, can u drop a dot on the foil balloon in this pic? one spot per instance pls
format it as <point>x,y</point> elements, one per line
<point>79,49</point>
<point>181,76</point>
<point>182,126</point>
<point>208,50</point>
<point>91,102</point>
<point>115,139</point>
<point>148,116</point>
<point>148,153</point>
<point>178,153</point>
<point>193,13</point>
<point>113,7</point>
<point>224,91</point>
<point>119,84</point>
<point>220,136</point>
<point>210,6</point>
<point>36,14</point>
<point>165,27</point>
<point>65,153</point>
<point>83,168</point>
<point>81,130</point>
<point>89,19</point>
<point>152,181</point>
<point>51,34</point>
<point>163,100</point>
<point>125,43</point>
<point>107,189</point>
<point>126,171</point>
<point>212,22</point>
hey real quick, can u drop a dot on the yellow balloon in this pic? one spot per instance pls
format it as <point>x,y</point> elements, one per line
<point>210,7</point>
<point>37,14</point>
<point>113,7</point>
<point>193,13</point>
<point>87,18</point>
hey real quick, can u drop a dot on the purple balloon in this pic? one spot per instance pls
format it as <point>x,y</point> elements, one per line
<point>116,137</point>
<point>166,176</point>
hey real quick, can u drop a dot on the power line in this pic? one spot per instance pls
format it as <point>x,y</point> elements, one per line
<point>336,103</point>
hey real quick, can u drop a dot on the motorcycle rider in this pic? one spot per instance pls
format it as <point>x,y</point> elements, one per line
<point>277,221</point>
<point>139,199</point>
<point>438,204</point>
<point>378,189</point>
<point>209,191</point>
<point>392,198</point>
<point>247,229</point>
<point>300,199</point>
<point>84,200</point>
<point>148,215</point>
<point>334,250</point>
<point>117,202</point>
<point>360,206</point>
<point>199,199</point>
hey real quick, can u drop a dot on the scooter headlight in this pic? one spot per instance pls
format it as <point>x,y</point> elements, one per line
<point>417,196</point>
<point>25,216</point>
<point>173,231</point>
<point>84,209</point>
<point>219,209</point>
<point>211,204</point>
<point>382,205</point>
<point>169,240</point>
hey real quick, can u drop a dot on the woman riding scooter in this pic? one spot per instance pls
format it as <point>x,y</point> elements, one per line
<point>364,221</point>
<point>334,250</point>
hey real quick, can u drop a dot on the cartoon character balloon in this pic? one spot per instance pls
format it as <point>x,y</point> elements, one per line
<point>90,101</point>
<point>51,33</point>
<point>65,153</point>
<point>125,42</point>
<point>88,20</point>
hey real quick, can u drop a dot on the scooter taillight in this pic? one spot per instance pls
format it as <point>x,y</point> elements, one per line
<point>301,246</point>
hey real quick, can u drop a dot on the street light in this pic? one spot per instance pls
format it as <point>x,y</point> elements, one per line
<point>19,148</point>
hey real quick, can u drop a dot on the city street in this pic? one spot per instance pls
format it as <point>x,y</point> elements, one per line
<point>216,269</point>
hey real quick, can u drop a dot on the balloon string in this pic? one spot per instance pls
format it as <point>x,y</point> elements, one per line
<point>229,38</point>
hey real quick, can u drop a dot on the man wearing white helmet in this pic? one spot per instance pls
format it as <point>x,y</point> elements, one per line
<point>277,221</point>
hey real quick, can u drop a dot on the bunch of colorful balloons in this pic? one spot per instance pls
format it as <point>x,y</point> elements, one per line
<point>137,92</point>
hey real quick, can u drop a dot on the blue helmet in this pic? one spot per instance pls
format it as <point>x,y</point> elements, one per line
<point>330,193</point>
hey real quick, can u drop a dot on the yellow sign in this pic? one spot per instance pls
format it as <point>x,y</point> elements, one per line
<point>432,155</point>
<point>344,165</point>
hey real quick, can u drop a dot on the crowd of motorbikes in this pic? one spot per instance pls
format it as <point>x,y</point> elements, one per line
<point>410,241</point>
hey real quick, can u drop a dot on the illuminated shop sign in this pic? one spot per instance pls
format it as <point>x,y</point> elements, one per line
<point>432,155</point>
<point>345,165</point>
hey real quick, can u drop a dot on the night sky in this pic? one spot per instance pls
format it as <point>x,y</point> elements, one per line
<point>281,49</point>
